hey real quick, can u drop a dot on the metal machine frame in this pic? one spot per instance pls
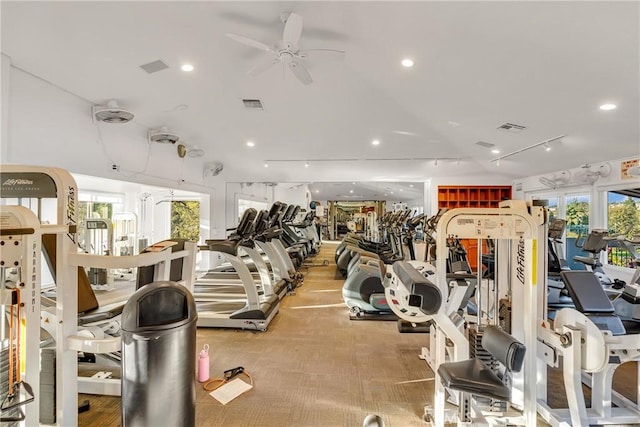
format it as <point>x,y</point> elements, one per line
<point>19,181</point>
<point>20,248</point>
<point>517,229</point>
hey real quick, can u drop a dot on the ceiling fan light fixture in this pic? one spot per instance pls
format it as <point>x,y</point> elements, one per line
<point>162,136</point>
<point>111,113</point>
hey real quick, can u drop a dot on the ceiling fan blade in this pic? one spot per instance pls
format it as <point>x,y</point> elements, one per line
<point>300,71</point>
<point>263,66</point>
<point>292,30</point>
<point>249,42</point>
<point>338,51</point>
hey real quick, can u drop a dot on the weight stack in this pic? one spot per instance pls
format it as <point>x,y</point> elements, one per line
<point>504,315</point>
<point>48,386</point>
<point>477,351</point>
<point>4,386</point>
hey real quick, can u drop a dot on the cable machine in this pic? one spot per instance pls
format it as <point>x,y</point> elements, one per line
<point>516,230</point>
<point>35,186</point>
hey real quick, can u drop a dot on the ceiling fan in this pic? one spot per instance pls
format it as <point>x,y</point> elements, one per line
<point>286,51</point>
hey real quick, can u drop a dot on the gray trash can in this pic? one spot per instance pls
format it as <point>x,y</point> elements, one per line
<point>159,357</point>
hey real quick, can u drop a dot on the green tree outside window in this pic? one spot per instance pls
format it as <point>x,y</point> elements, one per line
<point>185,220</point>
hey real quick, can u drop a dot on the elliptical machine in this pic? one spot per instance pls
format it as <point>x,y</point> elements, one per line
<point>363,289</point>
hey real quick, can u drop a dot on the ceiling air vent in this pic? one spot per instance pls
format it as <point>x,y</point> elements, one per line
<point>485,144</point>
<point>154,67</point>
<point>253,104</point>
<point>510,127</point>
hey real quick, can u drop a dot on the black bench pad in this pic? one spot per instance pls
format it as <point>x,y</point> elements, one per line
<point>473,376</point>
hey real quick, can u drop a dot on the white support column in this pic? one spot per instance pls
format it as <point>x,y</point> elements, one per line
<point>67,316</point>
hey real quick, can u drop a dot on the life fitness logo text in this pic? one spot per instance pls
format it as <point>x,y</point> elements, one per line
<point>71,211</point>
<point>15,181</point>
<point>520,262</point>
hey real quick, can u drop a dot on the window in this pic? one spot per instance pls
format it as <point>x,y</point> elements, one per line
<point>577,216</point>
<point>553,208</point>
<point>623,218</point>
<point>185,219</point>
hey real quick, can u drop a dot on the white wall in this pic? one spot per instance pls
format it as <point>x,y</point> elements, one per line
<point>290,193</point>
<point>257,192</point>
<point>5,86</point>
<point>45,125</point>
<point>293,193</point>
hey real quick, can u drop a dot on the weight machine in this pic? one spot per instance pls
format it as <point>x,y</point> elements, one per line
<point>125,233</point>
<point>36,185</point>
<point>97,239</point>
<point>20,239</point>
<point>516,229</point>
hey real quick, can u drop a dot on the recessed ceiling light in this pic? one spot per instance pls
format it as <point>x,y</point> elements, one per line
<point>187,67</point>
<point>411,185</point>
<point>306,164</point>
<point>350,191</point>
<point>495,151</point>
<point>607,107</point>
<point>317,191</point>
<point>401,189</point>
<point>251,144</point>
<point>392,192</point>
<point>375,142</point>
<point>407,63</point>
<point>266,165</point>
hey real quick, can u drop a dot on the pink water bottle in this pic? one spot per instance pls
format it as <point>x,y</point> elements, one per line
<point>203,364</point>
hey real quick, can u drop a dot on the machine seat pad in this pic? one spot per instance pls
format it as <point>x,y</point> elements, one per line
<point>104,312</point>
<point>587,292</point>
<point>473,376</point>
<point>224,246</point>
<point>431,299</point>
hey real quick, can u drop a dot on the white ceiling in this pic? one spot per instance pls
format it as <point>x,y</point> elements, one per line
<point>545,65</point>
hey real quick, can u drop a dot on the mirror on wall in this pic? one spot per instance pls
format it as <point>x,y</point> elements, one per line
<point>411,193</point>
<point>355,206</point>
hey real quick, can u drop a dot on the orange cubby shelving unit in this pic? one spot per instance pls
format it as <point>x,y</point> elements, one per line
<point>481,196</point>
<point>472,196</point>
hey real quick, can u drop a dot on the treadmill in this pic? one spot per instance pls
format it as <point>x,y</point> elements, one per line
<point>250,311</point>
<point>227,284</point>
